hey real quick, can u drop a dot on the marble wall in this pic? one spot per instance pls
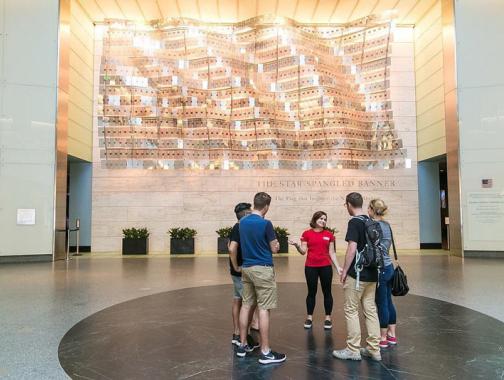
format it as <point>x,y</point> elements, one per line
<point>204,200</point>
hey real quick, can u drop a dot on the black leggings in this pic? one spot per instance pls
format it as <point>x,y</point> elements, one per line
<point>312,274</point>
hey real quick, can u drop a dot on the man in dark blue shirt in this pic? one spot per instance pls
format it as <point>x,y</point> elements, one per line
<point>258,241</point>
<point>235,262</point>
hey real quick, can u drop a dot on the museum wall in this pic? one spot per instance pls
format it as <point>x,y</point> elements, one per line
<point>203,199</point>
<point>80,107</point>
<point>430,84</point>
<point>480,92</point>
<point>29,64</point>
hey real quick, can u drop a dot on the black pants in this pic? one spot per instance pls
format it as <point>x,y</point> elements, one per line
<point>312,275</point>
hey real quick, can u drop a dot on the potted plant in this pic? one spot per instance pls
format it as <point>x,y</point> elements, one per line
<point>135,241</point>
<point>282,235</point>
<point>182,240</point>
<point>223,240</point>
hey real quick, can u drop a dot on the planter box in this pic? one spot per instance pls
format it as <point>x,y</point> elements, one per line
<point>284,245</point>
<point>135,246</point>
<point>222,246</point>
<point>181,246</point>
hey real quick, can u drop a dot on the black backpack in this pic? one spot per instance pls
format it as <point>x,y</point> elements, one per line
<point>371,256</point>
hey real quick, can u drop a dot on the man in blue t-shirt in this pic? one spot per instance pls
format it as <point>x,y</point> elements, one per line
<point>258,241</point>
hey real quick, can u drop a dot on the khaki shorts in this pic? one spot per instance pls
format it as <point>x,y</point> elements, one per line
<point>259,287</point>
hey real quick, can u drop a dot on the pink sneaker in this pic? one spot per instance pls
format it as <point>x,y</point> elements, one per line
<point>392,340</point>
<point>384,344</point>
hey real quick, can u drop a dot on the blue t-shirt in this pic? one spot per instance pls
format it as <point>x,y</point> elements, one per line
<point>255,235</point>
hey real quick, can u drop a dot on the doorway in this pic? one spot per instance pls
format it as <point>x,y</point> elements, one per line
<point>433,203</point>
<point>79,203</point>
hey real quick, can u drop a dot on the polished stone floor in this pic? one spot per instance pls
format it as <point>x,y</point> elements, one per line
<point>41,302</point>
<point>184,334</point>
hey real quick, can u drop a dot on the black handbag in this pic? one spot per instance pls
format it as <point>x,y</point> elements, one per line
<point>399,281</point>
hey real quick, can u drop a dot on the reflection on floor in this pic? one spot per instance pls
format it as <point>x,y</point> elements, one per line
<point>185,334</point>
<point>40,302</point>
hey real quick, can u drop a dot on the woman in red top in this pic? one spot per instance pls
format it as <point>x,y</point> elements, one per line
<point>318,244</point>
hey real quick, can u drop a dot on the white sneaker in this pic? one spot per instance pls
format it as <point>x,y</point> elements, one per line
<point>376,356</point>
<point>346,354</point>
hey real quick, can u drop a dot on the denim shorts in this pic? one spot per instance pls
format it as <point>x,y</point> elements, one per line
<point>237,287</point>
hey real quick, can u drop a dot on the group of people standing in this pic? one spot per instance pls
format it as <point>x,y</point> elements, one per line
<point>252,243</point>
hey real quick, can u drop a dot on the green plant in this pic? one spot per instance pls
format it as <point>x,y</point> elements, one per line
<point>224,232</point>
<point>135,233</point>
<point>281,232</point>
<point>334,231</point>
<point>183,233</point>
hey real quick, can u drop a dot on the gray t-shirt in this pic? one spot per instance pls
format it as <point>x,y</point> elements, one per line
<point>386,242</point>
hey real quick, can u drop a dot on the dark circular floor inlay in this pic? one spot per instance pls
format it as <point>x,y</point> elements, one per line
<point>186,334</point>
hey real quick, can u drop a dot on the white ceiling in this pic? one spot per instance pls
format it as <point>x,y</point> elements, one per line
<point>309,11</point>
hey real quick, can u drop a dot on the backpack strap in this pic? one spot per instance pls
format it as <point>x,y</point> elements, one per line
<point>393,243</point>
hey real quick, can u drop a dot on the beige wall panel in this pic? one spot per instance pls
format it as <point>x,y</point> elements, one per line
<point>402,64</point>
<point>403,79</point>
<point>426,22</point>
<point>432,116</point>
<point>80,133</point>
<point>435,98</point>
<point>403,108</point>
<point>246,9</point>
<point>130,9</point>
<point>81,99</point>
<point>189,8</point>
<point>82,67</point>
<point>323,11</point>
<point>228,10</point>
<point>423,57</point>
<point>402,94</point>
<point>81,27</point>
<point>150,9</point>
<point>286,8</point>
<point>432,132</point>
<point>78,149</point>
<point>80,116</point>
<point>169,8</point>
<point>421,8</point>
<point>427,87</point>
<point>432,149</point>
<point>362,9</point>
<point>434,64</point>
<point>111,8</point>
<point>405,123</point>
<point>402,49</point>
<point>425,39</point>
<point>77,80</point>
<point>343,10</point>
<point>81,61</point>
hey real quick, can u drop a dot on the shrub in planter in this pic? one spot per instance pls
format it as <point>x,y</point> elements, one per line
<point>182,240</point>
<point>282,235</point>
<point>223,240</point>
<point>135,241</point>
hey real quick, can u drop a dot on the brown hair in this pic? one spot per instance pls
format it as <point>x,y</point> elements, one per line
<point>378,206</point>
<point>261,200</point>
<point>315,217</point>
<point>355,200</point>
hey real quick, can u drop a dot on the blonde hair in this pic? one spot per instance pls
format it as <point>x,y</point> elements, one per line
<point>378,206</point>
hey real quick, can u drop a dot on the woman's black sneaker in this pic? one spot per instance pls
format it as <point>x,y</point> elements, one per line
<point>327,324</point>
<point>236,340</point>
<point>272,357</point>
<point>243,350</point>
<point>308,324</point>
<point>251,342</point>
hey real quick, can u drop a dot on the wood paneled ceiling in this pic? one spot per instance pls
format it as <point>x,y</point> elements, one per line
<point>308,11</point>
